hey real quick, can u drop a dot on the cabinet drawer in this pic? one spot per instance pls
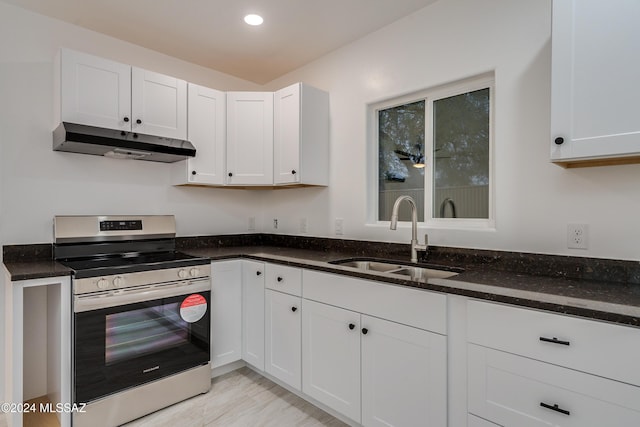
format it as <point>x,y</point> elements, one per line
<point>516,391</point>
<point>409,306</point>
<point>604,349</point>
<point>284,279</point>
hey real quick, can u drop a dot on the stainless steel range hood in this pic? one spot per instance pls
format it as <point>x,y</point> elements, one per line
<point>76,138</point>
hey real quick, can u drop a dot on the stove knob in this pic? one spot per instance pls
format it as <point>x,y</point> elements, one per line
<point>194,272</point>
<point>118,281</point>
<point>102,283</point>
<point>182,273</point>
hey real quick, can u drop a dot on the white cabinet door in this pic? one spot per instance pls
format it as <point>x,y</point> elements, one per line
<point>404,375</point>
<point>286,135</point>
<point>331,357</point>
<point>253,313</point>
<point>282,337</point>
<point>301,135</point>
<point>158,104</point>
<point>94,91</point>
<point>226,312</point>
<point>207,132</point>
<point>517,391</point>
<point>250,138</point>
<point>595,90</point>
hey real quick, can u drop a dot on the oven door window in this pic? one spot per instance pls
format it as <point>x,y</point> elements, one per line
<point>121,347</point>
<point>136,333</point>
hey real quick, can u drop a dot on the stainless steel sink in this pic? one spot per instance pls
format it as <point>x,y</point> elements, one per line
<point>413,271</point>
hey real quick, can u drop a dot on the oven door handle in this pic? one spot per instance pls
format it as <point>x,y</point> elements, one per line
<point>82,303</point>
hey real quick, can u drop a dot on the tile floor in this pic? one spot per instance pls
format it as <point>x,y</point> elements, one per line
<point>241,398</point>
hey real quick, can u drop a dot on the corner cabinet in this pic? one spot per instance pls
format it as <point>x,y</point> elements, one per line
<point>594,83</point>
<point>98,92</point>
<point>257,139</point>
<point>301,136</point>
<point>207,132</point>
<point>249,138</point>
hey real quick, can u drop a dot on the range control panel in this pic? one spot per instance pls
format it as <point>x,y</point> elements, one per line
<point>120,225</point>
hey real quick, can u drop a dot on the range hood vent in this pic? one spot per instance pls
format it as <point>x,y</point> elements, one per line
<point>76,138</point>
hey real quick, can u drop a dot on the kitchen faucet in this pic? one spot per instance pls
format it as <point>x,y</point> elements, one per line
<point>415,246</point>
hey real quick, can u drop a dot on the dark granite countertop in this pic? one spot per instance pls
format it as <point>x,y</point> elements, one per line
<point>560,284</point>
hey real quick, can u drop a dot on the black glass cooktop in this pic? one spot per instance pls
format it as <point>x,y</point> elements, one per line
<point>130,263</point>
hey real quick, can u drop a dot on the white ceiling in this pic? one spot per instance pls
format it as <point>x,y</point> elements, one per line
<point>212,33</point>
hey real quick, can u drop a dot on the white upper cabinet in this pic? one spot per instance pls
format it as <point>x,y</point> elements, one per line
<point>207,132</point>
<point>595,87</point>
<point>93,91</point>
<point>301,136</point>
<point>249,138</point>
<point>158,104</point>
<point>98,92</point>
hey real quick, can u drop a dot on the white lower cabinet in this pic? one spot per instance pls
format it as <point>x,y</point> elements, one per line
<point>331,357</point>
<point>282,337</point>
<point>253,313</point>
<point>374,371</point>
<point>517,391</point>
<point>404,377</point>
<point>226,312</point>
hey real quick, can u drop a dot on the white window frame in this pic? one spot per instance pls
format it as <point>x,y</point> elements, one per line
<point>429,96</point>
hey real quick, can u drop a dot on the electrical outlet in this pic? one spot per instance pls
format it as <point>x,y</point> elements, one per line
<point>577,236</point>
<point>304,225</point>
<point>338,226</point>
<point>251,226</point>
<point>275,223</point>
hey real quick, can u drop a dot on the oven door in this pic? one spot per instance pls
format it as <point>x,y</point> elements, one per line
<point>128,338</point>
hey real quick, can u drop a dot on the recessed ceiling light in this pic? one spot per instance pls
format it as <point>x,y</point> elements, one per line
<point>253,19</point>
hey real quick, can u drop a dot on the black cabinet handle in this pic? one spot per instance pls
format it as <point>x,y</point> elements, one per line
<point>555,408</point>
<point>351,326</point>
<point>193,172</point>
<point>294,309</point>
<point>139,121</point>
<point>555,340</point>
<point>123,133</point>
<point>135,135</point>
<point>279,279</point>
<point>230,174</point>
<point>126,119</point>
<point>559,140</point>
<point>258,273</point>
<point>365,330</point>
<point>293,172</point>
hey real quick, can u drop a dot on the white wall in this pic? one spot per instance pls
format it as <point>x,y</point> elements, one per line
<point>446,41</point>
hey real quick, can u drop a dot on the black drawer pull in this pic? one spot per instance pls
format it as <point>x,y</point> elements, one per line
<point>554,340</point>
<point>555,408</point>
<point>351,326</point>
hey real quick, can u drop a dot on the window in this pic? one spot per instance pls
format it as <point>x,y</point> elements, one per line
<point>436,146</point>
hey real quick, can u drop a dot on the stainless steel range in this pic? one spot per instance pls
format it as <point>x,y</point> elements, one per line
<point>141,319</point>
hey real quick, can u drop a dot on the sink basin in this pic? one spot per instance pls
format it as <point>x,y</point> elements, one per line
<point>412,271</point>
